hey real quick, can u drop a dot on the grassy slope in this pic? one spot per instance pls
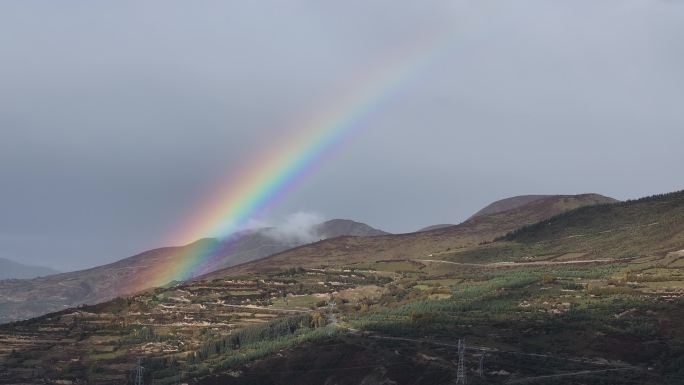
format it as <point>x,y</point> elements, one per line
<point>648,226</point>
<point>652,224</point>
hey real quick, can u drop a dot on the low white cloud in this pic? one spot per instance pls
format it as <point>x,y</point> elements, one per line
<point>296,228</point>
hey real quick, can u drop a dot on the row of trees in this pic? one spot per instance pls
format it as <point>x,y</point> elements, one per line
<point>256,333</point>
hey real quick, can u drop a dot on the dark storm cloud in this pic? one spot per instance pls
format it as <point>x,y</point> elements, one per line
<point>118,117</point>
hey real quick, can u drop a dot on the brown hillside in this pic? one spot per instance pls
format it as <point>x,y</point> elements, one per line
<point>346,250</point>
<point>25,298</point>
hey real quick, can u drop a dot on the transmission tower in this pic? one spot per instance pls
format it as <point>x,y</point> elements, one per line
<point>461,373</point>
<point>480,368</point>
<point>138,376</point>
<point>332,318</point>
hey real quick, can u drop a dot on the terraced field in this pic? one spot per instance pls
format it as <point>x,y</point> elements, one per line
<point>99,342</point>
<point>201,328</point>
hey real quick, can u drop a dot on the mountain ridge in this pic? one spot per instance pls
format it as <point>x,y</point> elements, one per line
<point>20,298</point>
<point>397,246</point>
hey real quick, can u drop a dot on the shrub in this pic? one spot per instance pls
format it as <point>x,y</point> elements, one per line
<point>548,279</point>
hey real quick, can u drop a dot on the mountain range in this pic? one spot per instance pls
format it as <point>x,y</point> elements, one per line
<point>27,298</point>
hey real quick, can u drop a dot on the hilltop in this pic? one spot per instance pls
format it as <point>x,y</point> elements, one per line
<point>345,227</point>
<point>508,204</point>
<point>521,200</point>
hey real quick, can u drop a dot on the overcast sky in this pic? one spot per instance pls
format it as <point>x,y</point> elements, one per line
<point>118,117</point>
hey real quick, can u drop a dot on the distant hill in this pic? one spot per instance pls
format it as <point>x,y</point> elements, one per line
<point>521,200</point>
<point>483,228</point>
<point>14,270</point>
<point>542,206</point>
<point>31,297</point>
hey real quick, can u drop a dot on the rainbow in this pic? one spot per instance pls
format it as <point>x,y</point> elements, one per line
<point>275,172</point>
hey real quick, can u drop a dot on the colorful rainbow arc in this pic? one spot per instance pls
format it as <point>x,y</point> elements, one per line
<point>276,172</point>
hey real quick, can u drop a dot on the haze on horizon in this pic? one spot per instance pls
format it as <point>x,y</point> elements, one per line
<point>117,118</point>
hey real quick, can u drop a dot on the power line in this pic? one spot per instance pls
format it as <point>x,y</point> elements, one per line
<point>461,377</point>
<point>497,351</point>
<point>549,376</point>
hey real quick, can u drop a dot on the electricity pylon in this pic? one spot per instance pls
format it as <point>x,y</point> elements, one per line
<point>332,318</point>
<point>461,372</point>
<point>138,380</point>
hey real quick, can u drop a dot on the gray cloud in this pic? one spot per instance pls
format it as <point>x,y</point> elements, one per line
<point>118,117</point>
